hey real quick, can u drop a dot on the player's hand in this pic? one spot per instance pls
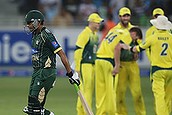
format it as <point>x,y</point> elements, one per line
<point>136,56</point>
<point>73,78</point>
<point>79,73</point>
<point>115,70</point>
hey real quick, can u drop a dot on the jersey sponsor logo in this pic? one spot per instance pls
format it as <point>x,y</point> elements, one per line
<point>37,42</point>
<point>35,58</point>
<point>55,44</point>
<point>34,51</point>
<point>48,31</point>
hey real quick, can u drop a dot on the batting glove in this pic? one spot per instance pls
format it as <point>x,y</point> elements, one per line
<point>73,78</point>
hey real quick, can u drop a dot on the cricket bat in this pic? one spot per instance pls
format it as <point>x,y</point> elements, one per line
<point>83,101</point>
<point>82,98</point>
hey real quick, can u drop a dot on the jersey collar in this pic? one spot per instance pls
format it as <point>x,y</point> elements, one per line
<point>88,29</point>
<point>43,28</point>
<point>122,27</point>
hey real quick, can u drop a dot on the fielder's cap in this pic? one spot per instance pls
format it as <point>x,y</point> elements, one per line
<point>124,10</point>
<point>161,22</point>
<point>158,11</point>
<point>94,17</point>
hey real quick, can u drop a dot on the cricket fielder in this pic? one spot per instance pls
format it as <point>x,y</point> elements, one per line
<point>84,57</point>
<point>152,30</point>
<point>105,92</point>
<point>161,59</point>
<point>129,74</point>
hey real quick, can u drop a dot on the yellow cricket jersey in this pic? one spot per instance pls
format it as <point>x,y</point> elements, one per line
<point>117,33</point>
<point>106,49</point>
<point>150,31</point>
<point>126,29</point>
<point>161,48</point>
<point>86,47</point>
<point>126,39</point>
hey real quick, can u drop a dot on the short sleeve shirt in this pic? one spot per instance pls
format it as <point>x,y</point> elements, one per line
<point>44,49</point>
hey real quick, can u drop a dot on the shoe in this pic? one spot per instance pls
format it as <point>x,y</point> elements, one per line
<point>25,110</point>
<point>51,113</point>
<point>46,112</point>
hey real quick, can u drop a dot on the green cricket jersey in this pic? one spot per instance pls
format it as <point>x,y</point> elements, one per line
<point>86,47</point>
<point>127,55</point>
<point>89,53</point>
<point>44,47</point>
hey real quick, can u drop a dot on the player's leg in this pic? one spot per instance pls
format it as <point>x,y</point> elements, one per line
<point>42,81</point>
<point>109,84</point>
<point>87,86</point>
<point>49,77</point>
<point>34,106</point>
<point>121,90</point>
<point>105,103</point>
<point>135,88</point>
<point>159,92</point>
<point>151,80</point>
<point>33,100</point>
<point>99,88</point>
<point>87,71</point>
<point>79,107</point>
<point>168,91</point>
<point>115,89</point>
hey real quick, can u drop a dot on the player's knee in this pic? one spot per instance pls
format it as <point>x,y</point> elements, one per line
<point>34,106</point>
<point>139,99</point>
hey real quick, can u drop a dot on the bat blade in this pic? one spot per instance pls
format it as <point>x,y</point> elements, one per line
<point>83,101</point>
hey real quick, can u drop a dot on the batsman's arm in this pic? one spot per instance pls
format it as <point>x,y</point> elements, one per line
<point>64,60</point>
<point>72,77</point>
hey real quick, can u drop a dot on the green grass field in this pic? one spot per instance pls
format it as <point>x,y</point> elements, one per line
<point>61,99</point>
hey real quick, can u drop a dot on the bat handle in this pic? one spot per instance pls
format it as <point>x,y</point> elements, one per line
<point>76,87</point>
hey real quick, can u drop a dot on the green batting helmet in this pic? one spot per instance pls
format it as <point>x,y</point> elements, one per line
<point>34,15</point>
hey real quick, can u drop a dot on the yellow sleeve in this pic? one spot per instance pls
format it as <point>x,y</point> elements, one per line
<point>147,51</point>
<point>145,45</point>
<point>80,45</point>
<point>138,48</point>
<point>77,59</point>
<point>149,32</point>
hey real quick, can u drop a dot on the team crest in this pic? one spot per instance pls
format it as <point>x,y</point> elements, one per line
<point>55,44</point>
<point>37,42</point>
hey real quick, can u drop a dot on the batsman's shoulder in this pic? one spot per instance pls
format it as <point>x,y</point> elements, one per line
<point>47,31</point>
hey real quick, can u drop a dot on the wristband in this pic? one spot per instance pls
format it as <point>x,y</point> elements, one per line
<point>70,74</point>
<point>131,49</point>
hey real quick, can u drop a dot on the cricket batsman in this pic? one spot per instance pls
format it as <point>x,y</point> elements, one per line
<point>44,50</point>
